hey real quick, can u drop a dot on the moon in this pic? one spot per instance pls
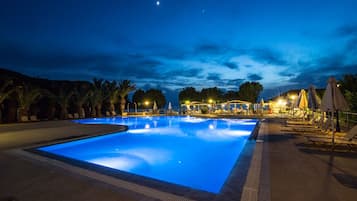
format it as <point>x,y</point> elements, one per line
<point>158,3</point>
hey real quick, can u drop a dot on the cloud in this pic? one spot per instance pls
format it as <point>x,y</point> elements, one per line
<point>213,76</point>
<point>35,57</point>
<point>248,65</point>
<point>254,77</point>
<point>267,56</point>
<point>231,65</point>
<point>208,49</point>
<point>346,30</point>
<point>57,63</point>
<point>235,82</point>
<point>286,74</point>
<point>319,70</point>
<point>193,72</point>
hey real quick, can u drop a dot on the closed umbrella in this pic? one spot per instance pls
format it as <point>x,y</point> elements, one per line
<point>154,108</point>
<point>314,101</point>
<point>333,101</point>
<point>262,105</point>
<point>169,107</point>
<point>301,101</point>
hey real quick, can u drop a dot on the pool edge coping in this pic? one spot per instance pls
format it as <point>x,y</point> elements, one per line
<point>117,182</point>
<point>252,187</point>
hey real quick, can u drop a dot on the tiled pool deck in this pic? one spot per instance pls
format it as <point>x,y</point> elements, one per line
<point>280,169</point>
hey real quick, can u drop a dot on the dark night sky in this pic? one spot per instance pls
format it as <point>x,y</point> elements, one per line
<point>282,44</point>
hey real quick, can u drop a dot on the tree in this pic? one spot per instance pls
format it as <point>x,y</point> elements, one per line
<point>81,96</point>
<point>112,93</point>
<point>213,93</point>
<point>96,97</point>
<point>155,95</point>
<point>5,91</point>
<point>62,97</point>
<point>189,94</point>
<point>231,95</point>
<point>249,91</point>
<point>138,97</point>
<point>26,96</point>
<point>349,89</point>
<point>125,87</point>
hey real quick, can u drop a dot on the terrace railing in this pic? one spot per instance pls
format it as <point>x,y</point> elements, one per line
<point>348,119</point>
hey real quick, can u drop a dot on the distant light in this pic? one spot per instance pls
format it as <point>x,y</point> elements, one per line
<point>281,102</point>
<point>211,126</point>
<point>147,126</point>
<point>158,3</point>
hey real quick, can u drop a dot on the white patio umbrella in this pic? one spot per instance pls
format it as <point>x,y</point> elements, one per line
<point>262,105</point>
<point>301,101</point>
<point>154,108</point>
<point>169,107</point>
<point>333,101</point>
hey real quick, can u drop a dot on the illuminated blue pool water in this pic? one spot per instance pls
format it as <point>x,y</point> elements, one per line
<point>192,152</point>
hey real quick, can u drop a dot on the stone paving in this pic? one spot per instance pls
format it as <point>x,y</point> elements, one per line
<point>298,171</point>
<point>290,168</point>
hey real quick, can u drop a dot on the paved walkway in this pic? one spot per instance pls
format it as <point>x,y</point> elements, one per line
<point>29,134</point>
<point>290,170</point>
<point>295,171</point>
<point>24,179</point>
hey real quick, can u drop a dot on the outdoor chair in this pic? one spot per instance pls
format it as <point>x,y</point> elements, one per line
<point>347,139</point>
<point>24,118</point>
<point>298,116</point>
<point>310,122</point>
<point>33,118</point>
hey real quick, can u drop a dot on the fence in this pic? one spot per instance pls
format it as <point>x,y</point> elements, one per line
<point>349,119</point>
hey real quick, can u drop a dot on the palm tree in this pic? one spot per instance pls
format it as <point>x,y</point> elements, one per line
<point>97,96</point>
<point>81,96</point>
<point>5,93</point>
<point>62,98</point>
<point>112,93</point>
<point>125,87</point>
<point>26,96</point>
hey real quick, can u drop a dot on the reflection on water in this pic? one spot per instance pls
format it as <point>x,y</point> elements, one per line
<point>194,152</point>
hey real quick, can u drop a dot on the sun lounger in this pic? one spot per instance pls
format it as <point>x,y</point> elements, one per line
<point>337,141</point>
<point>293,123</point>
<point>348,139</point>
<point>313,120</point>
<point>352,133</point>
<point>33,118</point>
<point>24,118</point>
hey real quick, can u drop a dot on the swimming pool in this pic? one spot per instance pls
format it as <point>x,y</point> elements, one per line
<point>198,153</point>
